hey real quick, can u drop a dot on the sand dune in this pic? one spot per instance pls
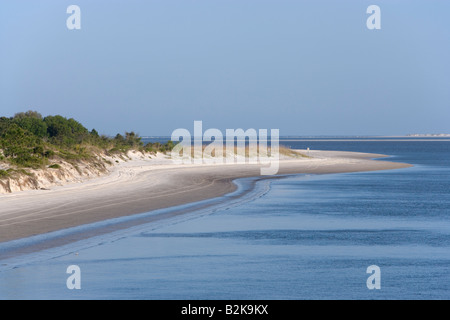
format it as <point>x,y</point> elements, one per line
<point>144,185</point>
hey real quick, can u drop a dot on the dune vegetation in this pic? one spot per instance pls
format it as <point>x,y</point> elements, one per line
<point>29,140</point>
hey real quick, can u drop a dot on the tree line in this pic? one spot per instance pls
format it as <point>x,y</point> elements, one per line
<point>29,140</point>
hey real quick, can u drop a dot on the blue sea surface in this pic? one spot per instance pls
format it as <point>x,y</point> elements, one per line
<point>294,237</point>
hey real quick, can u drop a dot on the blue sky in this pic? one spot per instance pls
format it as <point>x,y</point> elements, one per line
<point>304,67</point>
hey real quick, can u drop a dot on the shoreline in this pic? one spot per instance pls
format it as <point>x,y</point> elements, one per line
<point>84,236</point>
<point>142,186</point>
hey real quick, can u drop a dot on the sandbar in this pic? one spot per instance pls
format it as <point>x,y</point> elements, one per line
<point>142,186</point>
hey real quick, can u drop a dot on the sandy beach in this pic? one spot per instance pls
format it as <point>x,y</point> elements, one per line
<point>144,185</point>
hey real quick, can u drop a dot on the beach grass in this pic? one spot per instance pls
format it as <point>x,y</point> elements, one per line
<point>248,152</point>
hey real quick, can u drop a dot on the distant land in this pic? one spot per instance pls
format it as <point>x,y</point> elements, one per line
<point>428,135</point>
<point>287,137</point>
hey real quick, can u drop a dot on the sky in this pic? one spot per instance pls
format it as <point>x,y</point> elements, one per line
<point>303,67</point>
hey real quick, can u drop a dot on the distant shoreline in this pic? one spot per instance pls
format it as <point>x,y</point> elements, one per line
<point>141,186</point>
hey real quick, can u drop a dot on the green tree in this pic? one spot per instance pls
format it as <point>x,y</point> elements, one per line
<point>4,124</point>
<point>65,131</point>
<point>28,114</point>
<point>22,147</point>
<point>31,121</point>
<point>94,133</point>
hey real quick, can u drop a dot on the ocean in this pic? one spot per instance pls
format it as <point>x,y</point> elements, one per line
<point>289,238</point>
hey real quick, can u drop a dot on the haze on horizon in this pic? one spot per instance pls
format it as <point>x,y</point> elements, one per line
<point>304,67</point>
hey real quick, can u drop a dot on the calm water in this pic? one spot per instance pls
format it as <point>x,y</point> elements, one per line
<point>297,237</point>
